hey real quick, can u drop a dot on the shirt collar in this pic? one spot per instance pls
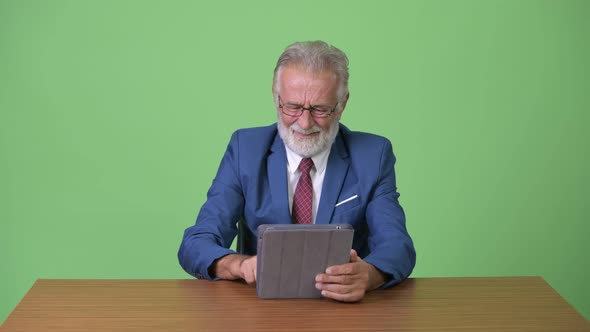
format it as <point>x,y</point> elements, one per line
<point>320,160</point>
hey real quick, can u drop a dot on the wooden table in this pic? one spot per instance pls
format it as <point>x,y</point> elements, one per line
<point>422,304</point>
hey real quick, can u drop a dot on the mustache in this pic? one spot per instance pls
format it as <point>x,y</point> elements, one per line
<point>297,128</point>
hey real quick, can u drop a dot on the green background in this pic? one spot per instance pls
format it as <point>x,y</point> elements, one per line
<point>115,115</point>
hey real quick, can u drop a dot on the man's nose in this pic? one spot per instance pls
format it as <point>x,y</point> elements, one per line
<point>305,121</point>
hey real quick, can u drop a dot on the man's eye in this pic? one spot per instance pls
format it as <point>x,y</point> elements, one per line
<point>294,107</point>
<point>321,110</point>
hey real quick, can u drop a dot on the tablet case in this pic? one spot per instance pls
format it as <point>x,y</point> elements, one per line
<point>291,255</point>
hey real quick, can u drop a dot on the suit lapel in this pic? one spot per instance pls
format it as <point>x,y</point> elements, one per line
<point>277,179</point>
<point>338,164</point>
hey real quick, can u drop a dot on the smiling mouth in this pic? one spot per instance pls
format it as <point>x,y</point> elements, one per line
<point>306,135</point>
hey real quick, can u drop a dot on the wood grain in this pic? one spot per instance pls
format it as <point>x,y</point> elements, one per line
<point>422,304</point>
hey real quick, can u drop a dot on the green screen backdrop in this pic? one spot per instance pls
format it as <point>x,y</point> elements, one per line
<point>114,116</point>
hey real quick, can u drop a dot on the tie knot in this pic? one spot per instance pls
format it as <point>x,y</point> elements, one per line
<point>305,165</point>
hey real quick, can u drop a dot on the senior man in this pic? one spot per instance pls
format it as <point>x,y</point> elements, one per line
<point>306,168</point>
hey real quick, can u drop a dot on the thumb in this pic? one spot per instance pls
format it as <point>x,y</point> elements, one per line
<point>354,257</point>
<point>255,266</point>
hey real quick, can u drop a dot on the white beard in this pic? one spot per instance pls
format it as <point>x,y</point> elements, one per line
<point>308,147</point>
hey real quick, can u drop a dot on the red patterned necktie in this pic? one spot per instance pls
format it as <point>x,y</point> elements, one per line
<point>303,197</point>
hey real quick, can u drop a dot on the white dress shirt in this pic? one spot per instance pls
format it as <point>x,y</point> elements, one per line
<point>317,177</point>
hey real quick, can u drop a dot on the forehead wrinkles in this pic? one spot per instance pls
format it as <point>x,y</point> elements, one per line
<point>307,85</point>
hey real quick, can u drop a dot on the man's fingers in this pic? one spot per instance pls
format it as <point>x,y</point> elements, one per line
<point>335,279</point>
<point>248,270</point>
<point>254,266</point>
<point>348,268</point>
<point>346,282</point>
<point>348,297</point>
<point>335,288</point>
<point>250,276</point>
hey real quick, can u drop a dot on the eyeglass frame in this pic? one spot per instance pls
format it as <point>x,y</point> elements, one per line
<point>313,111</point>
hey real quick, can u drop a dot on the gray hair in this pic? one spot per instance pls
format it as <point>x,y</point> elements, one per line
<point>315,56</point>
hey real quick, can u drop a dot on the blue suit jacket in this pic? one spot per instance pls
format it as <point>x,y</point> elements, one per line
<point>251,183</point>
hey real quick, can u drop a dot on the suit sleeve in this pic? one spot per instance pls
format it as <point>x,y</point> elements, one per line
<point>391,249</point>
<point>215,228</point>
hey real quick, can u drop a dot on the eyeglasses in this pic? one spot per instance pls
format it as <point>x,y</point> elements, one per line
<point>296,110</point>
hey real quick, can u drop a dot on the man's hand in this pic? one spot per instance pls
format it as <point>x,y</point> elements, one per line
<point>232,267</point>
<point>248,270</point>
<point>349,282</point>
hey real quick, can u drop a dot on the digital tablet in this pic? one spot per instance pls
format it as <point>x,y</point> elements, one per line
<point>291,255</point>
